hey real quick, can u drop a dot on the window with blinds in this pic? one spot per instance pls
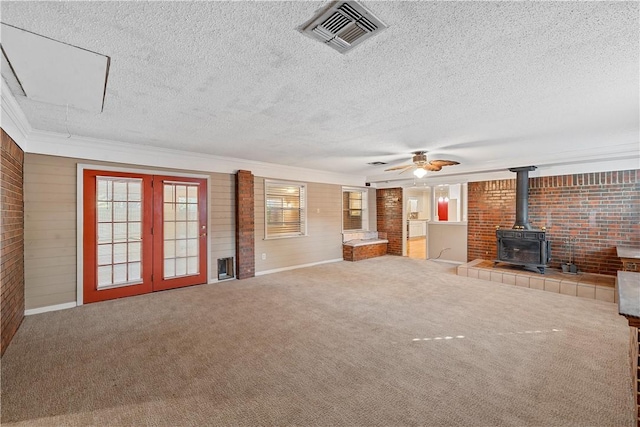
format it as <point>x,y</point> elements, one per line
<point>354,209</point>
<point>285,209</point>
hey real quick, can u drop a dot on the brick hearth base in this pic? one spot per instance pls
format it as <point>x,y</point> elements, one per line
<point>585,285</point>
<point>357,253</point>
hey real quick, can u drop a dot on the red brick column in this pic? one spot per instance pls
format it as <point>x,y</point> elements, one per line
<point>245,226</point>
<point>389,217</point>
<point>490,204</point>
<point>12,237</point>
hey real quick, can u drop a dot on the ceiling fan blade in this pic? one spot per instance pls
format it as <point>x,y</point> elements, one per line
<point>407,169</point>
<point>420,161</point>
<point>443,163</point>
<point>395,168</point>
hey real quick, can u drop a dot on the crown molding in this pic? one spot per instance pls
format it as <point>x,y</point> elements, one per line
<point>86,148</point>
<point>13,120</point>
<point>30,140</point>
<point>34,141</point>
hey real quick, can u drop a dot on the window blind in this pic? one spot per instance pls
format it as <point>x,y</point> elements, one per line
<point>285,209</point>
<point>354,208</point>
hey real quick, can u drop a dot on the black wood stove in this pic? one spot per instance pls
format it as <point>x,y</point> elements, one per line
<point>523,245</point>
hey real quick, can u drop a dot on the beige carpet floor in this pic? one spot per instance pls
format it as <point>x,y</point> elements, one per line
<point>389,341</point>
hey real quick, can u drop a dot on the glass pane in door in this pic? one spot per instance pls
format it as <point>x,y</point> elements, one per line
<point>181,229</point>
<point>119,249</point>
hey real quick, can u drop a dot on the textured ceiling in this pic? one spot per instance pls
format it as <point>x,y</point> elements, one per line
<point>488,84</point>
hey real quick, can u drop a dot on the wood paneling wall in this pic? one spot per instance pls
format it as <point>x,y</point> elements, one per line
<point>324,228</point>
<point>50,226</point>
<point>222,220</point>
<point>50,230</point>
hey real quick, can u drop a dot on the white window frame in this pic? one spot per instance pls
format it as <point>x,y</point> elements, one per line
<point>364,211</point>
<point>302,207</point>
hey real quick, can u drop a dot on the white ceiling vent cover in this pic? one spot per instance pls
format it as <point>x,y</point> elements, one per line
<point>343,25</point>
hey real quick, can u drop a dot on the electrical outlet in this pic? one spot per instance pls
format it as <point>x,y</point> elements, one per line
<point>264,256</point>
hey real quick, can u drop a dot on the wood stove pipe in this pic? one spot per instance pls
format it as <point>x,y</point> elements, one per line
<point>522,197</point>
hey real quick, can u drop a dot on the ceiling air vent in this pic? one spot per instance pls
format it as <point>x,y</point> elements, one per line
<point>343,25</point>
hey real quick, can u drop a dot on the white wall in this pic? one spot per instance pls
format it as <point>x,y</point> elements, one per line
<point>442,235</point>
<point>424,201</point>
<point>373,218</point>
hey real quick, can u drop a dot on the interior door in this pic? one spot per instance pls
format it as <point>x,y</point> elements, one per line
<point>180,232</point>
<point>142,233</point>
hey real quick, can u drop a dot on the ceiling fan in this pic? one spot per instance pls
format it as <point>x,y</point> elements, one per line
<point>423,165</point>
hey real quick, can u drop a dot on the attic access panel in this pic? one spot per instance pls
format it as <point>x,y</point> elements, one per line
<point>343,25</point>
<point>55,72</point>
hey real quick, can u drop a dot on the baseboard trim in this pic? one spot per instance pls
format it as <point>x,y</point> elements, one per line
<point>48,308</point>
<point>215,281</point>
<point>295,267</point>
<point>445,261</point>
<point>67,305</point>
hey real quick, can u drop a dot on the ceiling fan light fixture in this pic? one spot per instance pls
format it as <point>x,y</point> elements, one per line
<point>420,172</point>
<point>421,165</point>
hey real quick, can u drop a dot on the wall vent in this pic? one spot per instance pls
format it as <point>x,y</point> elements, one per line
<point>225,268</point>
<point>342,25</point>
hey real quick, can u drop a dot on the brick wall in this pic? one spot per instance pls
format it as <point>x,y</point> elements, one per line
<point>599,211</point>
<point>245,226</point>
<point>357,253</point>
<point>11,239</point>
<point>389,217</point>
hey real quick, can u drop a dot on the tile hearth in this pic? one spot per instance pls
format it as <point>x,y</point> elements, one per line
<point>584,285</point>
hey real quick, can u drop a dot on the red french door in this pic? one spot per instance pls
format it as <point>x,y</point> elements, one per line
<point>180,243</point>
<point>142,233</point>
